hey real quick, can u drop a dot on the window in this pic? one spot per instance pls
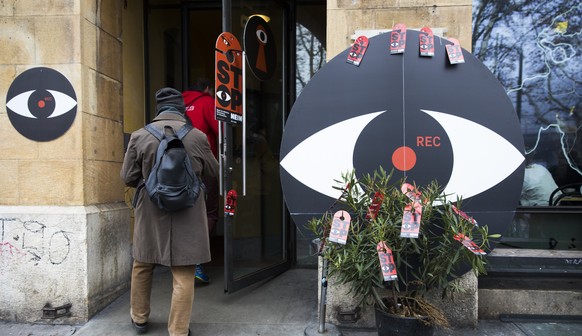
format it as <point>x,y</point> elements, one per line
<point>532,47</point>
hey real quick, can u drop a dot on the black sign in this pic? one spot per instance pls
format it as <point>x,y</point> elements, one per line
<point>419,116</point>
<point>41,104</point>
<point>260,48</point>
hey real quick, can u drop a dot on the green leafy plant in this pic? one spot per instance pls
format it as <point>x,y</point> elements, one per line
<point>428,262</point>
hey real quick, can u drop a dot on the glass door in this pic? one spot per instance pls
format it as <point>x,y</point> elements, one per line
<point>257,246</point>
<point>256,237</point>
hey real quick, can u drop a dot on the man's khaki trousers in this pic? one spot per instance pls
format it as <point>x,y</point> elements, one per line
<point>182,296</point>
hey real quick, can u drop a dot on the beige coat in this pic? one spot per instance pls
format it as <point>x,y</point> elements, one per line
<point>160,237</point>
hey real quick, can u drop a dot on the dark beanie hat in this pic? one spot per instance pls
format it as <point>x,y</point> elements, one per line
<point>170,97</point>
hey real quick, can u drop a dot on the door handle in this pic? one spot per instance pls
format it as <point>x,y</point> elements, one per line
<point>244,124</point>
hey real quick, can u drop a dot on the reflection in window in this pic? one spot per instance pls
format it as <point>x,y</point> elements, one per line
<point>310,56</point>
<point>533,48</point>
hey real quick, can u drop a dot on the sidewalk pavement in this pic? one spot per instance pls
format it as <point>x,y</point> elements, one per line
<point>284,305</point>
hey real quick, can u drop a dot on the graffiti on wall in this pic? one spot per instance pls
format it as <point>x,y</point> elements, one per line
<point>33,241</point>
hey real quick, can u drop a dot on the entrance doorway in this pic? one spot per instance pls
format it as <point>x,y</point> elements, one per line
<point>180,44</point>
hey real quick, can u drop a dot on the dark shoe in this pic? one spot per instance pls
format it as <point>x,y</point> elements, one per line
<point>189,334</point>
<point>200,276</point>
<point>140,328</point>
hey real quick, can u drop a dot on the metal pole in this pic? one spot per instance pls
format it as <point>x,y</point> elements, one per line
<point>227,167</point>
<point>323,296</point>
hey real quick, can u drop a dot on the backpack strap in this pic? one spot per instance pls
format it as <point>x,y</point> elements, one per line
<point>184,130</point>
<point>159,135</point>
<point>154,131</point>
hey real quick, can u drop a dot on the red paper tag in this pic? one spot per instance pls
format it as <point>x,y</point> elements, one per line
<point>358,50</point>
<point>340,226</point>
<point>412,212</point>
<point>374,208</point>
<point>426,42</point>
<point>464,215</point>
<point>455,52</point>
<point>230,203</point>
<point>469,244</point>
<point>411,221</point>
<point>410,191</point>
<point>398,39</point>
<point>386,262</point>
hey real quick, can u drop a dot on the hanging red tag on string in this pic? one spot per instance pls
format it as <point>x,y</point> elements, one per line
<point>464,215</point>
<point>412,213</point>
<point>398,39</point>
<point>358,50</point>
<point>455,52</point>
<point>340,227</point>
<point>230,203</point>
<point>411,220</point>
<point>375,206</point>
<point>386,262</point>
<point>426,42</point>
<point>469,244</point>
<point>411,192</point>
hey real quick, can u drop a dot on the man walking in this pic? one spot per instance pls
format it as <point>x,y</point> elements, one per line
<point>177,239</point>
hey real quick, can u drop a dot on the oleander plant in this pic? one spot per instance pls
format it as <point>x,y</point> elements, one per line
<point>402,241</point>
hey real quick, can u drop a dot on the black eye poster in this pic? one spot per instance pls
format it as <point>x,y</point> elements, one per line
<point>41,104</point>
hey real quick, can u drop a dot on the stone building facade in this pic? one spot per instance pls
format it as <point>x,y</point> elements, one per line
<point>64,223</point>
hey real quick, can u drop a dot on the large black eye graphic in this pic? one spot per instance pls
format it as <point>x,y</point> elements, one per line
<point>422,118</point>
<point>41,104</point>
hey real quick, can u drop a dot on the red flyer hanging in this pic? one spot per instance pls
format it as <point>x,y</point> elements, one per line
<point>230,203</point>
<point>398,39</point>
<point>426,42</point>
<point>411,192</point>
<point>229,81</point>
<point>358,50</point>
<point>386,262</point>
<point>469,244</point>
<point>464,215</point>
<point>340,226</point>
<point>375,206</point>
<point>411,216</point>
<point>455,52</point>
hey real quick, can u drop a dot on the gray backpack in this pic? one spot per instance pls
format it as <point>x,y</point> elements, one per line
<point>172,184</point>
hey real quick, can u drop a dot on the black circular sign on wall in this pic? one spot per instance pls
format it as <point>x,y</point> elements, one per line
<point>41,104</point>
<point>260,48</point>
<point>421,116</point>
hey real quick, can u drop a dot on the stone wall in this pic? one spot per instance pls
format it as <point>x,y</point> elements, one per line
<point>64,234</point>
<point>344,17</point>
<point>342,309</point>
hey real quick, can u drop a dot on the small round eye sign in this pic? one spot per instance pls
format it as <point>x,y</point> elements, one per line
<point>41,104</point>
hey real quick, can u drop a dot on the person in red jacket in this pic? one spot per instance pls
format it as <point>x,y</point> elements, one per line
<point>199,101</point>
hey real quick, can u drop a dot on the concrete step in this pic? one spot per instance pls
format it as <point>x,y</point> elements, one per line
<point>532,283</point>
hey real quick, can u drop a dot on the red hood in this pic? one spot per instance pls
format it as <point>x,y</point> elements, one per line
<point>190,96</point>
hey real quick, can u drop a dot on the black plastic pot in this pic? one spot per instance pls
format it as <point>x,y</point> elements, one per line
<point>395,325</point>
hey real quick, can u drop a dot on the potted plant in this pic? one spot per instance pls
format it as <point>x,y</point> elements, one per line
<point>387,264</point>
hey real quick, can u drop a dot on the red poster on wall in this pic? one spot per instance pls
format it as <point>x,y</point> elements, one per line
<point>229,81</point>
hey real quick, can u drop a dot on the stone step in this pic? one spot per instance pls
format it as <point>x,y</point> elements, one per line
<point>533,284</point>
